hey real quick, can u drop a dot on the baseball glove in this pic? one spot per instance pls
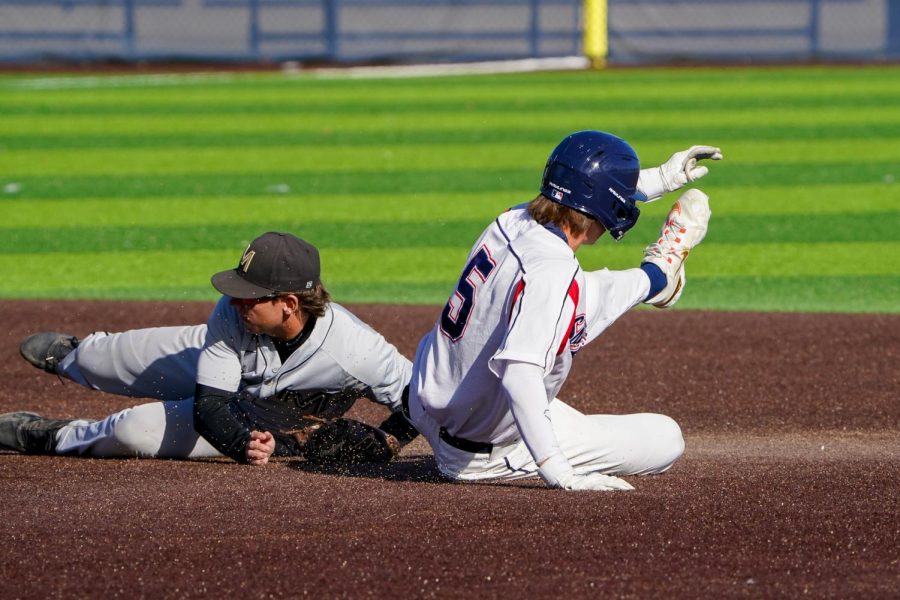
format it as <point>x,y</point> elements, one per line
<point>346,442</point>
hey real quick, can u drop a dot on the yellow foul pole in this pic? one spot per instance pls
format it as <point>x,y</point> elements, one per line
<point>596,42</point>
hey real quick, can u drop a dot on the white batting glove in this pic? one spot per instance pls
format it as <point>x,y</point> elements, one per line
<point>679,170</point>
<point>592,481</point>
<point>684,228</point>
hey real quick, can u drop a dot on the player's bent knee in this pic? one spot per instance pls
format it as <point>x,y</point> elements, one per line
<point>661,444</point>
<point>137,433</point>
<point>670,443</point>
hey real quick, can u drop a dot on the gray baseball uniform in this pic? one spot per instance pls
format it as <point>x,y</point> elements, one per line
<point>342,356</point>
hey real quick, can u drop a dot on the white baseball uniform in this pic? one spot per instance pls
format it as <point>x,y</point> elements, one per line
<point>342,355</point>
<point>524,303</point>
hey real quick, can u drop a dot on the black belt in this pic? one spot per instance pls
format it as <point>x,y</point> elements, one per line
<point>404,403</point>
<point>464,444</point>
<point>457,442</point>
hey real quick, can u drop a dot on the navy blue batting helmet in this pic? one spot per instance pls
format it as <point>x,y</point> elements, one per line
<point>596,174</point>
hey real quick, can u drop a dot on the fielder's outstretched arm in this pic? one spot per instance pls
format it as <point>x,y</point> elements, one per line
<point>217,424</point>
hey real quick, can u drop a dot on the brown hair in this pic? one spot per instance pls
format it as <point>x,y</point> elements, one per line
<point>546,211</point>
<point>313,301</point>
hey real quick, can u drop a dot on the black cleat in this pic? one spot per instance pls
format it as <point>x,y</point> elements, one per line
<point>46,350</point>
<point>29,433</point>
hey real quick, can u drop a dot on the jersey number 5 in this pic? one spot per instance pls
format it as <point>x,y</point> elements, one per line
<point>456,313</point>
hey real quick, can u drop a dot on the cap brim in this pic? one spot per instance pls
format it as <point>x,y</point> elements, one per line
<point>231,284</point>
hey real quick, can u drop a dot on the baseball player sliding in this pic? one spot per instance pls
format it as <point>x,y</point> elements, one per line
<point>485,379</point>
<point>270,374</point>
<point>484,383</point>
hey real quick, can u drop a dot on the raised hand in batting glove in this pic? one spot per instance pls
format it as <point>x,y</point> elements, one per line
<point>591,481</point>
<point>685,227</point>
<point>680,169</point>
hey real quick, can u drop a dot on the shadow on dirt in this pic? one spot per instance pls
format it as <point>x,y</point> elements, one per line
<point>414,469</point>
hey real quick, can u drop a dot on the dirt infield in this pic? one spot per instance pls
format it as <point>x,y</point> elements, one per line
<point>789,486</point>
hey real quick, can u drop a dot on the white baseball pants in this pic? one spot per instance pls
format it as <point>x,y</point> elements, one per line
<point>638,444</point>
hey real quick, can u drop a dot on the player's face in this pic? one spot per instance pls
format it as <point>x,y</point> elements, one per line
<point>594,232</point>
<point>265,316</point>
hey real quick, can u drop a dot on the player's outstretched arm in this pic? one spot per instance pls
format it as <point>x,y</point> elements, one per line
<point>218,425</point>
<point>685,227</point>
<point>681,168</point>
<point>524,386</point>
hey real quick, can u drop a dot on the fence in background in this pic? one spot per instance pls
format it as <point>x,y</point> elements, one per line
<point>320,30</point>
<point>753,30</point>
<point>638,31</point>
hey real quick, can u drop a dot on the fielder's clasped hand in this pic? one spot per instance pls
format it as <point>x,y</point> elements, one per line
<point>260,447</point>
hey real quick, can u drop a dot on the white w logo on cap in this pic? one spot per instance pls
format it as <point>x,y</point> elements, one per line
<point>246,258</point>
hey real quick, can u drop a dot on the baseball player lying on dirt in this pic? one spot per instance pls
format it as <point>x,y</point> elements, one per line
<point>270,374</point>
<point>485,379</point>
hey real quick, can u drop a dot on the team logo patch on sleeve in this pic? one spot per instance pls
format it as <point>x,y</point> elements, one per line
<point>575,332</point>
<point>578,335</point>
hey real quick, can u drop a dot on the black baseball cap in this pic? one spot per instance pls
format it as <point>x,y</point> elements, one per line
<point>273,263</point>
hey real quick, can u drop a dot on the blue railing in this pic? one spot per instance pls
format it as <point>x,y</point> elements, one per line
<point>330,40</point>
<point>334,37</point>
<point>794,33</point>
<point>123,37</point>
<point>419,30</point>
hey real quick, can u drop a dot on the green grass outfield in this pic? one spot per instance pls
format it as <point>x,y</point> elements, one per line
<point>141,187</point>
